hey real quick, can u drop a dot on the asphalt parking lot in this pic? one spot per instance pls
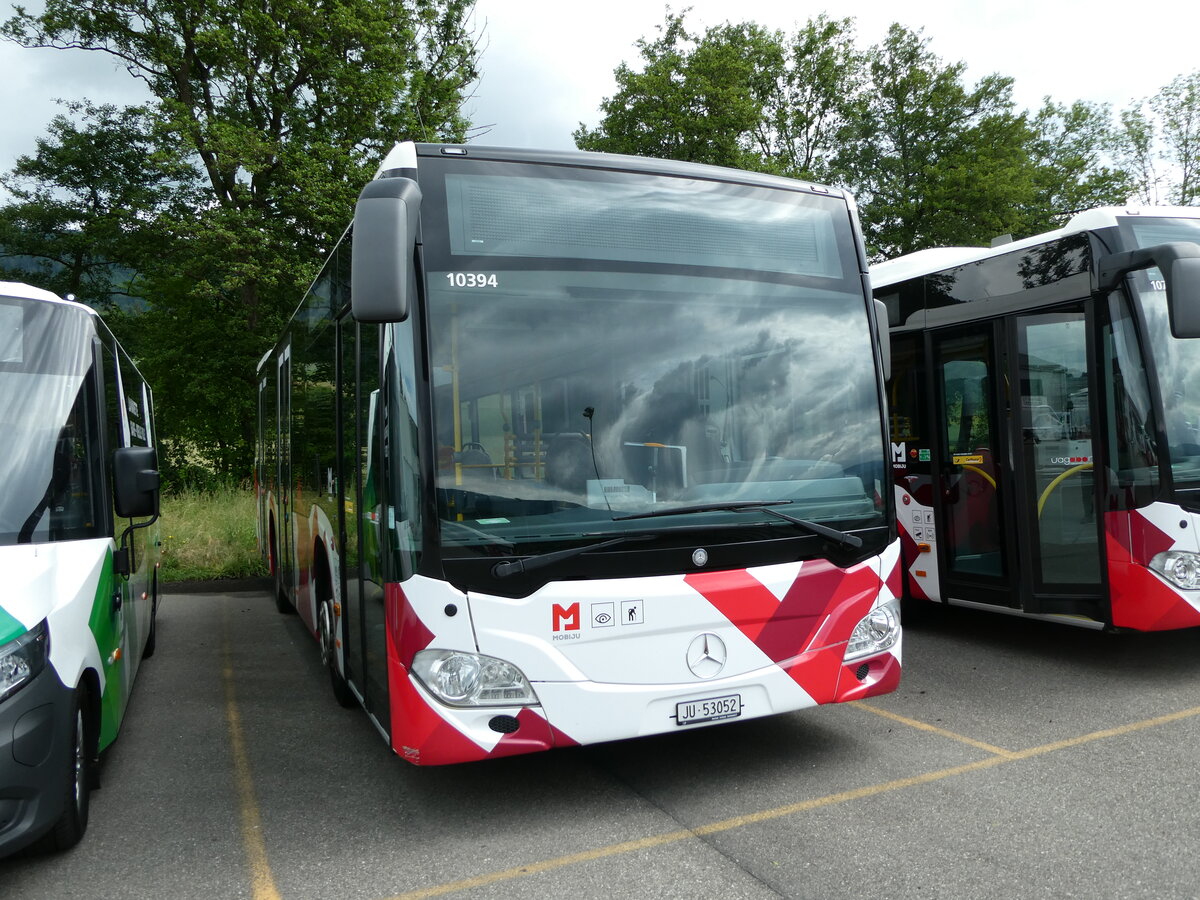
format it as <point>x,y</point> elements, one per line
<point>1016,759</point>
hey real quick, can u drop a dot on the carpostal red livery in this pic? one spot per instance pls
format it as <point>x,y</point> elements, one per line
<point>604,669</point>
<point>1045,439</point>
<point>562,448</point>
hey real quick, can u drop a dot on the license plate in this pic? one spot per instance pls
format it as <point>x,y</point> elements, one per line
<point>710,709</point>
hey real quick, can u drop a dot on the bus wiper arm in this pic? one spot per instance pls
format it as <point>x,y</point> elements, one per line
<point>850,540</point>
<point>519,566</point>
<point>702,507</point>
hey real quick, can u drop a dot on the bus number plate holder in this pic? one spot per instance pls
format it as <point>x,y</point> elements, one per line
<point>710,709</point>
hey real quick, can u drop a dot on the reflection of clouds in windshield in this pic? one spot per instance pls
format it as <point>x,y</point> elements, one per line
<point>33,410</point>
<point>722,374</point>
<point>790,388</point>
<point>36,402</point>
<point>1178,363</point>
<point>644,218</point>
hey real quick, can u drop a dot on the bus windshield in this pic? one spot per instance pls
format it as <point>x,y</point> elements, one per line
<point>1176,360</point>
<point>46,468</point>
<point>604,345</point>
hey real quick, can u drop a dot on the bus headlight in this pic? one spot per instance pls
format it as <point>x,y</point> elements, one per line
<point>1179,567</point>
<point>470,679</point>
<point>22,659</point>
<point>878,630</point>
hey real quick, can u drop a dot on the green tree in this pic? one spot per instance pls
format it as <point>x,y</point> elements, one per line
<point>81,201</point>
<point>1178,108</point>
<point>931,161</point>
<point>282,108</point>
<point>823,74</point>
<point>698,98</point>
<point>1136,152</point>
<point>737,95</point>
<point>1072,151</point>
<point>1159,143</point>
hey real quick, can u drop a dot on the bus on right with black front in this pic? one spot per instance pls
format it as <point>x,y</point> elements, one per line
<point>1045,421</point>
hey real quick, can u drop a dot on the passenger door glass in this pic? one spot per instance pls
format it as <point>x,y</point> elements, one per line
<point>1056,440</point>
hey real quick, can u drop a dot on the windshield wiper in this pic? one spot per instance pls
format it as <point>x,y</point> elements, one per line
<point>519,566</point>
<point>850,540</point>
<point>702,507</point>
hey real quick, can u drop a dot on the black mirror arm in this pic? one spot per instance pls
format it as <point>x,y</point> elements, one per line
<point>123,561</point>
<point>1111,268</point>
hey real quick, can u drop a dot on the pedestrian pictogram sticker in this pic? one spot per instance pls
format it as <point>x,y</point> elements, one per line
<point>631,612</point>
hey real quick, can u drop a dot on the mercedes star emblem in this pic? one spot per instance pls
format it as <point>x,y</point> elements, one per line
<point>706,655</point>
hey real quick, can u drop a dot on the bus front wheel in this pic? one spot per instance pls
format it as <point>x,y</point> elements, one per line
<point>71,825</point>
<point>327,628</point>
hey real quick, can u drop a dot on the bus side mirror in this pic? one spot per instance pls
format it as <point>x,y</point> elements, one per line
<point>1179,263</point>
<point>1183,297</point>
<point>383,239</point>
<point>135,482</point>
<point>885,339</point>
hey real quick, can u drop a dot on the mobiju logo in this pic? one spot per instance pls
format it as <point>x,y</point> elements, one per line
<point>566,618</point>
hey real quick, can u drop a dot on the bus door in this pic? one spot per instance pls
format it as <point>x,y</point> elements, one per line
<point>1016,520</point>
<point>1059,528</point>
<point>972,467</point>
<point>287,541</point>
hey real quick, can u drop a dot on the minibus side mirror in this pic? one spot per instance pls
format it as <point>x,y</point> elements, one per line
<point>383,239</point>
<point>135,482</point>
<point>1179,263</point>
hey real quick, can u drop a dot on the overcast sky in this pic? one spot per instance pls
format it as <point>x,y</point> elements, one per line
<point>548,64</point>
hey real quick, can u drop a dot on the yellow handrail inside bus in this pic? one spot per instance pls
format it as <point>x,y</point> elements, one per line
<point>1052,485</point>
<point>990,479</point>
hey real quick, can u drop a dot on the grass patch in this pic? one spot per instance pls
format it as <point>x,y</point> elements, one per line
<point>209,534</point>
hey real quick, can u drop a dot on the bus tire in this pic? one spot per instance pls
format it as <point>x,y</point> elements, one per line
<point>326,627</point>
<point>77,782</point>
<point>282,603</point>
<point>152,639</point>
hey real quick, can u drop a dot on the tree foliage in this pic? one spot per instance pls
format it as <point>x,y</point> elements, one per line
<point>267,117</point>
<point>931,159</point>
<point>696,98</point>
<point>1160,141</point>
<point>1178,109</point>
<point>81,202</point>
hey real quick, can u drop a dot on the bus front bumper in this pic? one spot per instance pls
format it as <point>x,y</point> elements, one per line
<point>35,728</point>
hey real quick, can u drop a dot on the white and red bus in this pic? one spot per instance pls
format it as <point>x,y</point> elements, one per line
<point>1045,407</point>
<point>563,448</point>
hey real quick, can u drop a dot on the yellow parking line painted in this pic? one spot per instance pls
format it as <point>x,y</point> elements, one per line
<point>925,726</point>
<point>262,883</point>
<point>672,837</point>
<point>1109,732</point>
<point>998,757</point>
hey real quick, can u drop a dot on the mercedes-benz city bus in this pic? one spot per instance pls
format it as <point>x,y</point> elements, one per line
<point>1045,417</point>
<point>563,448</point>
<point>78,485</point>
